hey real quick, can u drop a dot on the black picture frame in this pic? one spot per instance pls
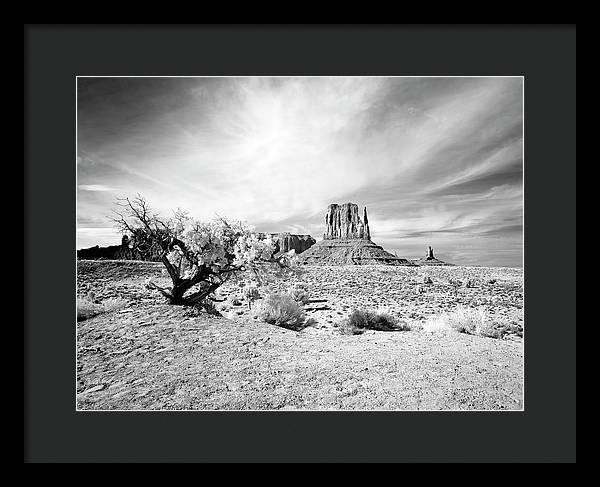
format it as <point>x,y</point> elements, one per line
<point>544,54</point>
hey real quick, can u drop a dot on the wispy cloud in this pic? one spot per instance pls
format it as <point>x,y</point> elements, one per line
<point>95,187</point>
<point>430,157</point>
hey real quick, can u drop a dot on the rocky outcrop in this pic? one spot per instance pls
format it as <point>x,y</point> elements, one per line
<point>285,241</point>
<point>344,221</point>
<point>429,259</point>
<point>347,240</point>
<point>125,251</point>
<point>350,252</point>
<point>430,253</point>
<point>112,252</point>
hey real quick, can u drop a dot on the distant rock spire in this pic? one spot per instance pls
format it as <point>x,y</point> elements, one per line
<point>430,253</point>
<point>366,224</point>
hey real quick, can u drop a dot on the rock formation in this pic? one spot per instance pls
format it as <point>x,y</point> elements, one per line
<point>350,251</point>
<point>125,251</point>
<point>343,221</point>
<point>429,259</point>
<point>347,240</point>
<point>285,241</point>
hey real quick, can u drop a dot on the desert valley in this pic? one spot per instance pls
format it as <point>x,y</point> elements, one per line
<point>448,337</point>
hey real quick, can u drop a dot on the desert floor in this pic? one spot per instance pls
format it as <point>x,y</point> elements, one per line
<point>149,355</point>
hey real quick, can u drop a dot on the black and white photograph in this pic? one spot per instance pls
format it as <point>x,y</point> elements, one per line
<point>271,243</point>
<point>300,243</point>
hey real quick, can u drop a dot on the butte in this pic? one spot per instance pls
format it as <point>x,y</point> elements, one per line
<point>347,240</point>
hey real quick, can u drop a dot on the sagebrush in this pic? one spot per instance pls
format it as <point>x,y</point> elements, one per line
<point>299,293</point>
<point>360,320</point>
<point>282,310</point>
<point>471,321</point>
<point>88,308</point>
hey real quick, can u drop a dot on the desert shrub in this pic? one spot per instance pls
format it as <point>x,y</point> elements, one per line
<point>495,329</point>
<point>358,319</point>
<point>87,308</point>
<point>470,283</point>
<point>491,329</point>
<point>309,322</point>
<point>113,304</point>
<point>281,310</point>
<point>381,321</point>
<point>413,325</point>
<point>437,324</point>
<point>514,328</point>
<point>492,281</point>
<point>427,280</point>
<point>210,308</point>
<point>299,293</point>
<point>370,320</point>
<point>347,327</point>
<point>402,325</point>
<point>466,320</point>
<point>252,293</point>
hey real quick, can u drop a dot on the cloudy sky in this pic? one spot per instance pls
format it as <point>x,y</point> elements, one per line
<point>437,161</point>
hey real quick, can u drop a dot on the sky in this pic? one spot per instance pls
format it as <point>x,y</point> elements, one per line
<point>436,161</point>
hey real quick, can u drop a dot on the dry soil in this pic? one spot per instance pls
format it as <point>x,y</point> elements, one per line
<point>149,355</point>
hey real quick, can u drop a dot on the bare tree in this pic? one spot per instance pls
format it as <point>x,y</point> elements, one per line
<point>194,279</point>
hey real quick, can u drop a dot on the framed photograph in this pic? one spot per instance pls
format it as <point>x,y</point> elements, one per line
<point>296,232</point>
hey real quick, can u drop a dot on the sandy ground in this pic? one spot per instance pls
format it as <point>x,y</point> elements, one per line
<point>149,355</point>
<point>336,290</point>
